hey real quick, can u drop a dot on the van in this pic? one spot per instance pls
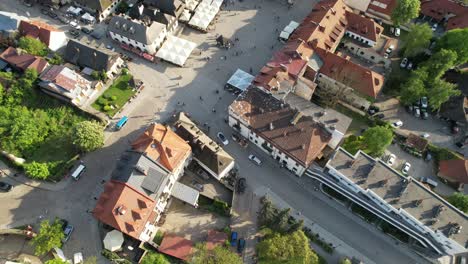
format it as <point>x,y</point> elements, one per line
<point>121,123</point>
<point>429,182</point>
<point>77,173</point>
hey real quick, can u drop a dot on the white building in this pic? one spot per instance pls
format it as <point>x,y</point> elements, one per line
<point>136,34</point>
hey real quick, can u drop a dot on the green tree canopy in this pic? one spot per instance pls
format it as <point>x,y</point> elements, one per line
<point>290,248</point>
<point>91,260</point>
<point>154,258</point>
<point>460,201</point>
<point>33,46</point>
<point>376,139</point>
<point>219,254</point>
<point>37,170</point>
<point>440,62</point>
<point>345,261</point>
<point>405,11</point>
<point>417,40</point>
<point>49,237</point>
<point>414,88</point>
<point>56,261</point>
<point>440,92</point>
<point>455,40</point>
<point>88,136</point>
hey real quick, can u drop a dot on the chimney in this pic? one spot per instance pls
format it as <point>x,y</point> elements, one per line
<point>284,67</point>
<point>296,118</point>
<point>271,126</point>
<point>121,210</point>
<point>303,146</point>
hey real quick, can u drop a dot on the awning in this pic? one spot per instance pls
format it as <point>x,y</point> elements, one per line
<point>113,240</point>
<point>176,50</point>
<point>240,80</point>
<point>185,194</point>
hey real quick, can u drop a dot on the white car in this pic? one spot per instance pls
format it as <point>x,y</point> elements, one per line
<point>222,138</point>
<point>434,27</point>
<point>403,63</point>
<point>406,167</point>
<point>391,159</point>
<point>398,123</point>
<point>390,49</point>
<point>75,25</point>
<point>410,66</point>
<point>255,160</point>
<point>397,32</point>
<point>425,135</point>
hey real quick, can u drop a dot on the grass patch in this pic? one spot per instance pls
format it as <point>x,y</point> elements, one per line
<point>215,206</point>
<point>158,237</point>
<point>114,98</point>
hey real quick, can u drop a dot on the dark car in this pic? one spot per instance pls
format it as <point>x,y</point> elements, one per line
<point>241,245</point>
<point>233,239</point>
<point>63,19</point>
<point>68,231</point>
<point>45,11</point>
<point>53,15</point>
<point>380,116</point>
<point>6,187</point>
<point>28,3</point>
<point>64,223</point>
<point>454,127</point>
<point>87,30</point>
<point>424,114</point>
<point>241,185</point>
<point>74,32</point>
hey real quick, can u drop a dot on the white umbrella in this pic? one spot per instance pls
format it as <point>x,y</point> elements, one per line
<point>113,240</point>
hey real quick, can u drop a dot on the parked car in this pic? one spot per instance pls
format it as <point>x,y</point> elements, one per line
<point>397,32</point>
<point>398,123</point>
<point>28,3</point>
<point>409,109</point>
<point>454,127</point>
<point>6,187</point>
<point>380,116</point>
<point>233,239</point>
<point>75,25</point>
<point>403,63</point>
<point>425,135</point>
<point>68,231</point>
<point>389,49</point>
<point>405,168</point>
<point>434,27</point>
<point>198,186</point>
<point>53,15</point>
<point>417,112</point>
<point>428,157</point>
<point>460,144</point>
<point>391,159</point>
<point>45,11</point>
<point>74,32</point>
<point>241,185</point>
<point>235,137</point>
<point>410,66</point>
<point>424,114</point>
<point>255,160</point>
<point>241,245</point>
<point>392,30</point>
<point>428,181</point>
<point>423,102</point>
<point>222,138</point>
<point>87,30</point>
<point>63,19</point>
<point>386,55</point>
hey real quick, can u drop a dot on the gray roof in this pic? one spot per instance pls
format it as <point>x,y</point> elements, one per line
<point>166,6</point>
<point>142,173</point>
<point>135,30</point>
<point>84,55</point>
<point>402,193</point>
<point>141,12</point>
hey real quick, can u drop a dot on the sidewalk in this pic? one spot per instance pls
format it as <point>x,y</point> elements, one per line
<point>341,249</point>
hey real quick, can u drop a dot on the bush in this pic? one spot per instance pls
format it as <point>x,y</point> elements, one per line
<point>33,46</point>
<point>103,101</point>
<point>114,258</point>
<point>158,237</point>
<point>95,75</point>
<point>37,170</point>
<point>443,153</point>
<point>113,98</point>
<point>107,108</point>
<point>315,238</point>
<point>124,71</point>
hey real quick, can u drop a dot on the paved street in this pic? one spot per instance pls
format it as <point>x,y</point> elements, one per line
<point>160,99</point>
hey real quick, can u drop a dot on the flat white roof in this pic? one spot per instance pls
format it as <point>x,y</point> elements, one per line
<point>185,193</point>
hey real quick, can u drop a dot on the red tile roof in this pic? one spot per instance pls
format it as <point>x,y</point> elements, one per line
<point>455,13</point>
<point>363,26</point>
<point>23,61</point>
<point>124,208</point>
<point>177,247</point>
<point>455,170</point>
<point>37,29</point>
<point>61,76</point>
<point>162,145</point>
<point>215,238</point>
<point>359,78</point>
<point>288,130</point>
<point>385,7</point>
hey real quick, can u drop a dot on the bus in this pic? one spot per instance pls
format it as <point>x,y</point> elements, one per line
<point>121,123</point>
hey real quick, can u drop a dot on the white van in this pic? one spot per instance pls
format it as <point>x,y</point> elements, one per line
<point>77,173</point>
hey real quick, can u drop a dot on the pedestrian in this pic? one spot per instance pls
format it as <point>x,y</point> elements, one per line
<point>201,98</point>
<point>178,103</point>
<point>95,198</point>
<point>183,104</point>
<point>213,110</point>
<point>250,70</point>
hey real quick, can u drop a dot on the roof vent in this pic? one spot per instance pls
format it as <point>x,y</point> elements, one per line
<point>272,126</point>
<point>131,30</point>
<point>153,145</point>
<point>303,146</point>
<point>121,210</point>
<point>140,168</point>
<point>124,27</point>
<point>117,24</point>
<point>417,202</point>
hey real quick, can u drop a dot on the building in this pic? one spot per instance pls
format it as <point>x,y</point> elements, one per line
<point>177,247</point>
<point>363,29</point>
<point>9,23</point>
<point>47,34</point>
<point>22,61</point>
<point>149,13</point>
<point>170,7</point>
<point>206,152</point>
<point>100,8</point>
<point>435,228</point>
<point>416,142</point>
<point>454,171</point>
<point>448,12</point>
<point>146,37</point>
<point>382,9</point>
<point>358,6</point>
<point>215,239</point>
<point>95,58</point>
<point>67,85</point>
<point>148,177</point>
<point>287,135</point>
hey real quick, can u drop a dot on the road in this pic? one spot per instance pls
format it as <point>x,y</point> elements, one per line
<point>160,99</point>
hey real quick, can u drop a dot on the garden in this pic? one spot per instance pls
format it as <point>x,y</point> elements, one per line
<point>115,97</point>
<point>215,206</point>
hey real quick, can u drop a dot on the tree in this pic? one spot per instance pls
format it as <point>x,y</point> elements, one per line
<point>352,144</point>
<point>49,237</point>
<point>345,261</point>
<point>33,46</point>
<point>37,170</point>
<point>455,40</point>
<point>56,261</point>
<point>440,92</point>
<point>376,139</point>
<point>417,40</point>
<point>291,248</point>
<point>460,201</point>
<point>91,260</point>
<point>405,11</point>
<point>414,88</point>
<point>298,225</point>
<point>219,254</point>
<point>88,136</point>
<point>281,220</point>
<point>154,258</point>
<point>122,7</point>
<point>267,212</point>
<point>440,62</point>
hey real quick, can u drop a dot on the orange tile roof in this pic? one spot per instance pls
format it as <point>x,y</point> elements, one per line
<point>455,13</point>
<point>361,79</point>
<point>363,26</point>
<point>215,238</point>
<point>124,208</point>
<point>175,246</point>
<point>23,61</point>
<point>454,170</point>
<point>385,7</point>
<point>37,29</point>
<point>162,145</point>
